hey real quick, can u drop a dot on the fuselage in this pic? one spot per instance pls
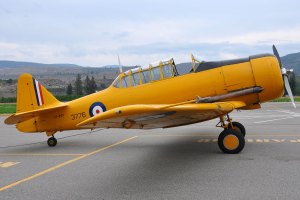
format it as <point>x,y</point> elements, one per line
<point>210,79</point>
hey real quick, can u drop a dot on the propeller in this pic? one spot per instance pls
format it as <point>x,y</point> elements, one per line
<point>284,73</point>
<point>277,56</point>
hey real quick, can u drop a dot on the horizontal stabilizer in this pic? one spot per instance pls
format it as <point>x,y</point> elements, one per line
<point>23,116</point>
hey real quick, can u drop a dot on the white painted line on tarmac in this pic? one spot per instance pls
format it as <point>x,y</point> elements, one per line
<point>263,116</point>
<point>285,111</point>
<point>276,141</point>
<point>271,120</point>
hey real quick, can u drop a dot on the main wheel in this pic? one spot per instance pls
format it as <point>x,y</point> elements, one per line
<point>238,127</point>
<point>52,141</point>
<point>231,141</point>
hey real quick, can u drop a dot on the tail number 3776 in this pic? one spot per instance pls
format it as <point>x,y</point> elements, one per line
<point>78,115</point>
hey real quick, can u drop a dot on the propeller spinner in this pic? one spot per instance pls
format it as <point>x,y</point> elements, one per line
<point>284,73</point>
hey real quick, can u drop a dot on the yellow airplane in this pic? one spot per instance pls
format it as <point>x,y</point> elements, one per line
<point>158,97</point>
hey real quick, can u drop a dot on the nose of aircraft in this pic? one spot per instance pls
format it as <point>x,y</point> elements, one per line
<point>267,74</point>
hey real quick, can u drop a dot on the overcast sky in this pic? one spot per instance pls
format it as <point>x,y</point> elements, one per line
<point>93,33</point>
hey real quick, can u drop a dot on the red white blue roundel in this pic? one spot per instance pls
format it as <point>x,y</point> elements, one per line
<point>97,108</point>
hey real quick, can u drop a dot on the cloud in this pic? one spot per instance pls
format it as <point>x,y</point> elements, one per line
<point>137,54</point>
<point>227,56</point>
<point>284,36</point>
<point>94,32</point>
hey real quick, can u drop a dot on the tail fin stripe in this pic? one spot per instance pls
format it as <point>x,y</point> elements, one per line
<point>37,99</point>
<point>41,93</point>
<point>38,92</point>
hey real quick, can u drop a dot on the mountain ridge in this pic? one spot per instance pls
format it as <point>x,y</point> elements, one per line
<point>292,61</point>
<point>11,64</point>
<point>289,61</point>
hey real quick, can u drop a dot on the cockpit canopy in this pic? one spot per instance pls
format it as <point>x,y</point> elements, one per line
<point>142,75</point>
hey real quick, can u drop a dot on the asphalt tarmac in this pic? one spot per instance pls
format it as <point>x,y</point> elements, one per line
<point>176,163</point>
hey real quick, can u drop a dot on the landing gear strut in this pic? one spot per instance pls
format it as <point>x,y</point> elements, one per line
<point>232,139</point>
<point>52,141</point>
<point>238,127</point>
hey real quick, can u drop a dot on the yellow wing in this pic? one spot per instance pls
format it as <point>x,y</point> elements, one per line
<point>151,116</point>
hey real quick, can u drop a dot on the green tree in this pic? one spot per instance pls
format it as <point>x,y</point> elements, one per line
<point>102,86</point>
<point>292,80</point>
<point>87,83</point>
<point>69,89</point>
<point>9,81</point>
<point>90,85</point>
<point>93,85</point>
<point>78,85</point>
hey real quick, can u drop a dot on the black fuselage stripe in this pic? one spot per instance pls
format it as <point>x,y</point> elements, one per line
<point>211,65</point>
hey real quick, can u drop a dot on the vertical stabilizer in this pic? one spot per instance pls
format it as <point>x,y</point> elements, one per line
<point>31,95</point>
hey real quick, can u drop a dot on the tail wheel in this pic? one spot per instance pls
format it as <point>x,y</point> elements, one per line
<point>238,127</point>
<point>231,141</point>
<point>52,141</point>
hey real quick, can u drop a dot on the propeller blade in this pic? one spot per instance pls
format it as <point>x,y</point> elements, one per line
<point>288,89</point>
<point>277,55</point>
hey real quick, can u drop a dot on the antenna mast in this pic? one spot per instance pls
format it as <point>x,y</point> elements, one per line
<point>120,66</point>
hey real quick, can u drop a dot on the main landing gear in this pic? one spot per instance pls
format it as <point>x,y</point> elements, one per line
<point>232,139</point>
<point>52,141</point>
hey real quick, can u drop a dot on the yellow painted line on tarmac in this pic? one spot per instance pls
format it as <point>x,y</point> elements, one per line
<point>41,154</point>
<point>278,140</point>
<point>64,164</point>
<point>8,164</point>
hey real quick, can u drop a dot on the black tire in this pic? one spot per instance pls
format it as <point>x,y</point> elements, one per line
<point>52,142</point>
<point>239,127</point>
<point>231,134</point>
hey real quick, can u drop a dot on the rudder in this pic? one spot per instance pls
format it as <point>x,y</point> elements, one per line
<point>31,95</point>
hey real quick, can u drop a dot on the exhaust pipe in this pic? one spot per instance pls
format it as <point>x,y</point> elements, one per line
<point>243,92</point>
